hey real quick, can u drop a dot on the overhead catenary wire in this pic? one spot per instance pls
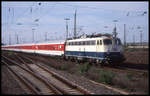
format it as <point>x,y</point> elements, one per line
<point>70,5</point>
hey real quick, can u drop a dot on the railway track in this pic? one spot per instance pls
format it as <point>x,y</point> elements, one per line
<point>37,79</point>
<point>129,70</point>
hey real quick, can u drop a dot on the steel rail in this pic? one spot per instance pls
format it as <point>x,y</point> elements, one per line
<point>134,71</point>
<point>74,86</point>
<point>60,89</point>
<point>56,91</point>
<point>24,63</point>
<point>22,79</point>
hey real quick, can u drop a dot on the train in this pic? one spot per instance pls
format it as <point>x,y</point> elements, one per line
<point>98,49</point>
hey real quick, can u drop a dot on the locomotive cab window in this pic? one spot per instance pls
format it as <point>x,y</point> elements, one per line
<point>118,42</point>
<point>97,42</point>
<point>107,41</point>
<point>100,43</point>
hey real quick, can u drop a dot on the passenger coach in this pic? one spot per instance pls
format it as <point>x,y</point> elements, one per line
<point>50,48</point>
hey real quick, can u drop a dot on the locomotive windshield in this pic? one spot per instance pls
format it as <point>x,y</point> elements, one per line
<point>118,42</point>
<point>107,41</point>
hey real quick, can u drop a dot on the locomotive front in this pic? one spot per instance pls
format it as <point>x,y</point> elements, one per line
<point>112,50</point>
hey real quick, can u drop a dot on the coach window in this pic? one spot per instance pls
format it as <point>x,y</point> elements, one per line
<point>60,46</point>
<point>93,42</point>
<point>75,43</point>
<point>88,42</point>
<point>78,43</point>
<point>85,42</point>
<point>81,43</point>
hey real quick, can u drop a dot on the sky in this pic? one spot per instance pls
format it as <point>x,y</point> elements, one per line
<point>46,20</point>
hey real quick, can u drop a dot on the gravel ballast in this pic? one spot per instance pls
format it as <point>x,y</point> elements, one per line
<point>84,83</point>
<point>9,84</point>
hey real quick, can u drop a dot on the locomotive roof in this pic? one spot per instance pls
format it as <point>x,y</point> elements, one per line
<point>84,39</point>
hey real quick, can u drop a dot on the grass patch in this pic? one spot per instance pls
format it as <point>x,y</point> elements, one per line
<point>84,68</point>
<point>10,53</point>
<point>106,77</point>
<point>130,76</point>
<point>64,67</point>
